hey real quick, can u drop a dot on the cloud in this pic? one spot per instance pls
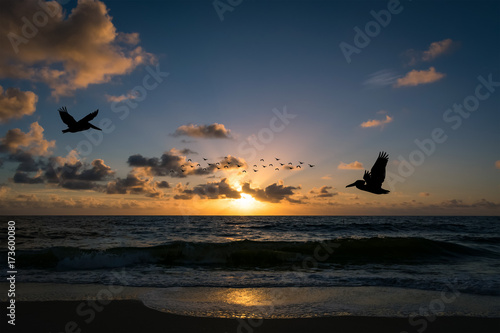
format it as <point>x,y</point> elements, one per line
<point>120,98</point>
<point>376,122</point>
<point>185,151</point>
<point>32,142</point>
<point>173,165</point>
<point>457,203</point>
<point>23,178</point>
<point>424,194</point>
<point>323,192</point>
<point>136,182</point>
<point>78,175</point>
<point>435,50</point>
<point>327,177</point>
<point>351,166</point>
<point>415,77</point>
<point>381,78</point>
<point>15,104</point>
<point>273,193</point>
<point>213,131</point>
<point>497,164</point>
<point>162,184</point>
<point>211,190</point>
<point>67,52</point>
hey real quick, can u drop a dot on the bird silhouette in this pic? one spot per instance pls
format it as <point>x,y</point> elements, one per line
<point>262,160</point>
<point>77,126</point>
<point>373,180</point>
<point>311,165</point>
<point>301,162</point>
<point>277,159</point>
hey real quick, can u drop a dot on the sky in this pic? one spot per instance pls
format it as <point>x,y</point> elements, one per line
<point>326,83</point>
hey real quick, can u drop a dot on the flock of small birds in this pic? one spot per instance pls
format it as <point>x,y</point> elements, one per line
<point>226,165</point>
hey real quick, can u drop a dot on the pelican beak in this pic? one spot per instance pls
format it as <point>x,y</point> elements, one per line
<point>351,184</point>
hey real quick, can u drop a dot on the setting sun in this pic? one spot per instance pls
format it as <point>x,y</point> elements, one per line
<point>246,202</point>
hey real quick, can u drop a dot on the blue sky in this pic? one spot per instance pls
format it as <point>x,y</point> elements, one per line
<point>272,55</point>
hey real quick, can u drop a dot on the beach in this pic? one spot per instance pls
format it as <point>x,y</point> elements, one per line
<point>133,316</point>
<point>255,274</point>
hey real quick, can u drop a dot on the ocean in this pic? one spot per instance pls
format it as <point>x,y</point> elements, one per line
<point>225,266</point>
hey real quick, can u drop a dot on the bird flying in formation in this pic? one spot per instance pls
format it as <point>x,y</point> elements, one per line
<point>77,126</point>
<point>373,180</point>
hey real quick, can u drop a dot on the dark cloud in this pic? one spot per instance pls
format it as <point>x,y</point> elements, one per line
<point>135,183</point>
<point>323,192</point>
<point>187,151</point>
<point>98,171</point>
<point>162,184</point>
<point>174,165</point>
<point>213,190</point>
<point>213,131</point>
<point>23,178</point>
<point>273,193</point>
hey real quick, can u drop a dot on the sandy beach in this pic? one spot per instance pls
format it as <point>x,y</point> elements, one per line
<point>133,316</point>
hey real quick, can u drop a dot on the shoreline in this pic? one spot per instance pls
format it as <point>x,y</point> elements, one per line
<point>134,316</point>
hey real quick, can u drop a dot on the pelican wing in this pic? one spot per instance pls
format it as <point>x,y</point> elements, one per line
<point>377,174</point>
<point>367,177</point>
<point>89,117</point>
<point>66,117</point>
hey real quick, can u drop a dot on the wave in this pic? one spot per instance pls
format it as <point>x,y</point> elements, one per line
<point>254,254</point>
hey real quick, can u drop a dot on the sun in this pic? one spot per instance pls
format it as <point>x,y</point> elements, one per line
<point>246,202</point>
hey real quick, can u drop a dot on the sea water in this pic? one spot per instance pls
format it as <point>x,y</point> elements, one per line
<point>307,266</point>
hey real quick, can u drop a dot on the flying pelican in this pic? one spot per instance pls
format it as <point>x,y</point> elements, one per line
<point>282,164</point>
<point>311,165</point>
<point>262,160</point>
<point>375,178</point>
<point>277,159</point>
<point>301,162</point>
<point>204,159</point>
<point>270,164</point>
<point>77,126</point>
<point>277,169</point>
<point>298,166</point>
<point>255,165</point>
<point>255,170</point>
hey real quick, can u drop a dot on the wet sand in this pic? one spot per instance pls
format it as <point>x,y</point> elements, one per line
<point>133,316</point>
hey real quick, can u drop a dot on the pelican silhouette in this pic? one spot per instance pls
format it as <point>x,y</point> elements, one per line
<point>373,180</point>
<point>77,126</point>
